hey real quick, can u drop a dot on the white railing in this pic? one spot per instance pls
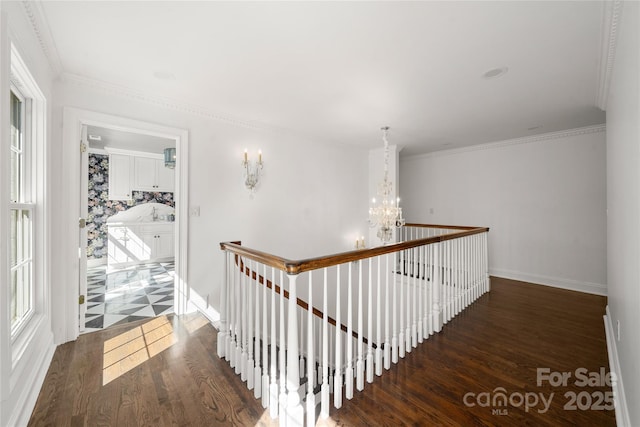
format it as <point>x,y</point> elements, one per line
<point>298,331</point>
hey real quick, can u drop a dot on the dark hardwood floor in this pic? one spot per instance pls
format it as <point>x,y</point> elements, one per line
<point>173,377</point>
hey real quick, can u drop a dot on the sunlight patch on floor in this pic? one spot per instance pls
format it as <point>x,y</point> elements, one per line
<point>124,352</point>
<point>194,323</point>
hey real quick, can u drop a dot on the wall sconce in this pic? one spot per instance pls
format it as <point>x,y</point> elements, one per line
<point>252,171</point>
<point>360,243</point>
<point>170,157</point>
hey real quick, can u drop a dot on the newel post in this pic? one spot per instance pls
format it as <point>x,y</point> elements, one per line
<point>294,409</point>
<point>485,248</point>
<point>223,330</point>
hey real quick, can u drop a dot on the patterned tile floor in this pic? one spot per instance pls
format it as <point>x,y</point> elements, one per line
<point>126,295</point>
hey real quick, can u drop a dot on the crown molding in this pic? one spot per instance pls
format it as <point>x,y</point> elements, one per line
<point>39,24</point>
<point>516,141</point>
<point>167,103</point>
<point>608,42</point>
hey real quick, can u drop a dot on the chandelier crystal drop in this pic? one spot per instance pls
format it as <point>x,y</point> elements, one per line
<point>387,214</point>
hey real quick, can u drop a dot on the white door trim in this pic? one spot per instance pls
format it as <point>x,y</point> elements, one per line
<point>73,119</point>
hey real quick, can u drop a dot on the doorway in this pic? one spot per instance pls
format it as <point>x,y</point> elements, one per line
<point>76,126</point>
<point>130,194</point>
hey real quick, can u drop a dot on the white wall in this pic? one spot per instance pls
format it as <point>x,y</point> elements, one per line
<point>23,363</point>
<point>623,205</point>
<point>312,199</point>
<point>543,198</point>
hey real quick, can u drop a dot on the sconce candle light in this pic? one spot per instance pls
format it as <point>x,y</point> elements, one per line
<point>252,171</point>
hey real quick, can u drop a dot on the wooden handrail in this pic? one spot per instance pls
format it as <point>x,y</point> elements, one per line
<point>301,303</point>
<point>300,266</point>
<point>448,227</point>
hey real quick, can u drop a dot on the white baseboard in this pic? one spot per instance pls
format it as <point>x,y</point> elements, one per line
<point>196,302</point>
<point>27,400</point>
<point>569,284</point>
<point>622,412</point>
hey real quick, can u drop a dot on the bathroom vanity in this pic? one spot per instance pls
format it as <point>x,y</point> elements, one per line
<point>138,242</point>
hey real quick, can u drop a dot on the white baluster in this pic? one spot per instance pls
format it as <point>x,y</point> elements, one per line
<point>369,364</point>
<point>437,313</point>
<point>294,409</point>
<point>245,284</point>
<point>425,294</point>
<point>265,341</point>
<point>378,361</point>
<point>324,407</point>
<point>470,268</point>
<point>222,332</point>
<point>360,362</point>
<point>348,376</point>
<point>401,309</point>
<point>456,277</point>
<point>420,282</point>
<point>446,286</point>
<point>257,372</point>
<point>387,343</point>
<point>485,236</point>
<point>231,351</point>
<point>249,310</point>
<point>407,336</point>
<point>430,289</point>
<point>311,397</point>
<point>239,317</point>
<point>282,375</point>
<point>301,329</point>
<point>394,340</point>
<point>463,272</point>
<point>228,353</point>
<point>273,387</point>
<point>337,381</point>
<point>478,265</point>
<point>414,325</point>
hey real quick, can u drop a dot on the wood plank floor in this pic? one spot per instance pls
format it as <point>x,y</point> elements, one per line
<point>500,341</point>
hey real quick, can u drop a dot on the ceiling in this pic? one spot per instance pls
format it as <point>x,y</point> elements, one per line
<point>336,72</point>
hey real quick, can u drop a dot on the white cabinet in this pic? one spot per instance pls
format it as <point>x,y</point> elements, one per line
<point>150,174</point>
<point>119,177</point>
<point>136,243</point>
<point>123,245</point>
<point>159,239</point>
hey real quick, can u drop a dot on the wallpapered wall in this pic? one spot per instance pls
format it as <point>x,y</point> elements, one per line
<point>101,208</point>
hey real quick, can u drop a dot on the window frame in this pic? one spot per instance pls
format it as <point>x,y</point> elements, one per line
<point>24,203</point>
<point>34,127</point>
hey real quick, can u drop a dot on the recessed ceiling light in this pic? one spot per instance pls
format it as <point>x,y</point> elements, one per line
<point>164,75</point>
<point>534,127</point>
<point>496,72</point>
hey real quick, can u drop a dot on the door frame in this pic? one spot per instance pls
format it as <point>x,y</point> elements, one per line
<point>73,120</point>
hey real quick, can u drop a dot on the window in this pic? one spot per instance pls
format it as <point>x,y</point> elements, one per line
<point>26,120</point>
<point>21,214</point>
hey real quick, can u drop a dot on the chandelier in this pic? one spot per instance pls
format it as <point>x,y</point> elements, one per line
<point>387,214</point>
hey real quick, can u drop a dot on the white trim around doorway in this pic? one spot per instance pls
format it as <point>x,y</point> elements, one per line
<point>73,119</point>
